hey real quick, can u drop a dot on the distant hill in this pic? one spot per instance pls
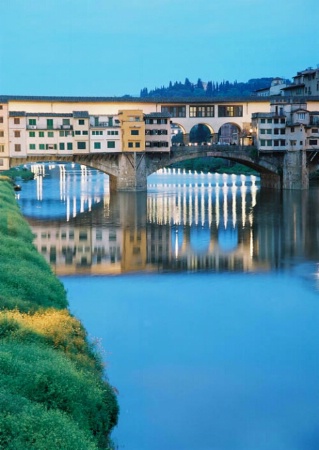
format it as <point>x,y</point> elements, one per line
<point>208,89</point>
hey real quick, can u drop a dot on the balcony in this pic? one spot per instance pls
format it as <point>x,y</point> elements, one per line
<point>104,125</point>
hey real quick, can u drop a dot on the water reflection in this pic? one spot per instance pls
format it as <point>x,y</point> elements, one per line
<point>229,225</point>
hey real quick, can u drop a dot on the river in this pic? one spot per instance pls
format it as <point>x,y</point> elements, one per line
<point>202,295</point>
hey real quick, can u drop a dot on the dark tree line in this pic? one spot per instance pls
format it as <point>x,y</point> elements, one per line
<point>224,88</point>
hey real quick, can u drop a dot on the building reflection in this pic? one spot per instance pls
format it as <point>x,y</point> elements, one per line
<point>202,227</point>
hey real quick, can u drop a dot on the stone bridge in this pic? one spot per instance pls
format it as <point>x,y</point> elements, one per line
<point>128,171</point>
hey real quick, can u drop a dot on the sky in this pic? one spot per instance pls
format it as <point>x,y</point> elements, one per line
<point>114,48</point>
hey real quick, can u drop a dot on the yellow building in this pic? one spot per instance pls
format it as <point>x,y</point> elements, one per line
<point>133,130</point>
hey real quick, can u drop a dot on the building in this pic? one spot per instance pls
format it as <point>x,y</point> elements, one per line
<point>275,88</point>
<point>290,125</point>
<point>305,83</point>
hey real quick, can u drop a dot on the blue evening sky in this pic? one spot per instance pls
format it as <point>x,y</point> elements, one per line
<point>106,48</point>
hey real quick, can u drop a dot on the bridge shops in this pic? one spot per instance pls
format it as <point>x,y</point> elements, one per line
<point>130,138</point>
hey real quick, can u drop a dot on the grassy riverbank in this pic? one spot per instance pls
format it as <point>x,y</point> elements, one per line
<point>53,394</point>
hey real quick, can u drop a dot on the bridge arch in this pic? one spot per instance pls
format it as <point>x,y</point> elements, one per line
<point>201,132</point>
<point>229,134</point>
<point>178,133</point>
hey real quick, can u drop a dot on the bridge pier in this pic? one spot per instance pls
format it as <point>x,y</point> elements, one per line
<point>295,171</point>
<point>132,173</point>
<point>270,180</point>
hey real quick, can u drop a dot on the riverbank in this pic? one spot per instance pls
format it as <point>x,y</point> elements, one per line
<point>53,390</point>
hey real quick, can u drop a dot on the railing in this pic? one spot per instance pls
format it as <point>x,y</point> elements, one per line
<point>104,125</point>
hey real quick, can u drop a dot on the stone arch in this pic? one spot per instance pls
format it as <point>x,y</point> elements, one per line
<point>229,134</point>
<point>201,133</point>
<point>178,134</point>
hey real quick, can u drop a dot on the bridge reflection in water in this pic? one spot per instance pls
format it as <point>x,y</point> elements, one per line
<point>189,227</point>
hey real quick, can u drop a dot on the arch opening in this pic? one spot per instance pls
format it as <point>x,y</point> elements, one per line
<point>201,133</point>
<point>177,134</point>
<point>229,134</point>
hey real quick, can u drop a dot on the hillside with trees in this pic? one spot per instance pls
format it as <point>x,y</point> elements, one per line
<point>210,89</point>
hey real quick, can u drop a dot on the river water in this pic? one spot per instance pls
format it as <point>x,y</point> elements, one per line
<point>203,295</point>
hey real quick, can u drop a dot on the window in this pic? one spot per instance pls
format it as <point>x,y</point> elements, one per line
<point>17,147</point>
<point>81,145</point>
<point>134,119</point>
<point>50,134</point>
<point>230,111</point>
<point>301,116</point>
<point>97,133</point>
<point>292,129</point>
<point>31,133</point>
<point>262,131</point>
<point>1,162</point>
<point>135,132</point>
<point>85,132</point>
<point>1,148</point>
<point>41,147</point>
<point>137,144</point>
<point>174,111</point>
<point>32,146</point>
<point>269,120</point>
<point>62,146</point>
<point>262,120</point>
<point>1,106</point>
<point>61,133</point>
<point>269,142</point>
<point>81,122</point>
<point>65,121</point>
<point>313,141</point>
<point>41,133</point>
<point>50,124</point>
<point>315,130</point>
<point>69,146</point>
<point>269,131</point>
<point>201,111</point>
<point>32,122</point>
<point>77,132</point>
<point>16,121</point>
<point>112,133</point>
<point>110,144</point>
<point>17,134</point>
<point>130,144</point>
<point>97,145</point>
<point>1,133</point>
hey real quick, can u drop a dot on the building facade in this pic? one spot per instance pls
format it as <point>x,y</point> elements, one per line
<point>290,125</point>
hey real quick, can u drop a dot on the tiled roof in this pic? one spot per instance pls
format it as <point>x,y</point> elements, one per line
<point>293,86</point>
<point>127,99</point>
<point>17,113</point>
<point>81,114</point>
<point>157,114</point>
<point>49,114</point>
